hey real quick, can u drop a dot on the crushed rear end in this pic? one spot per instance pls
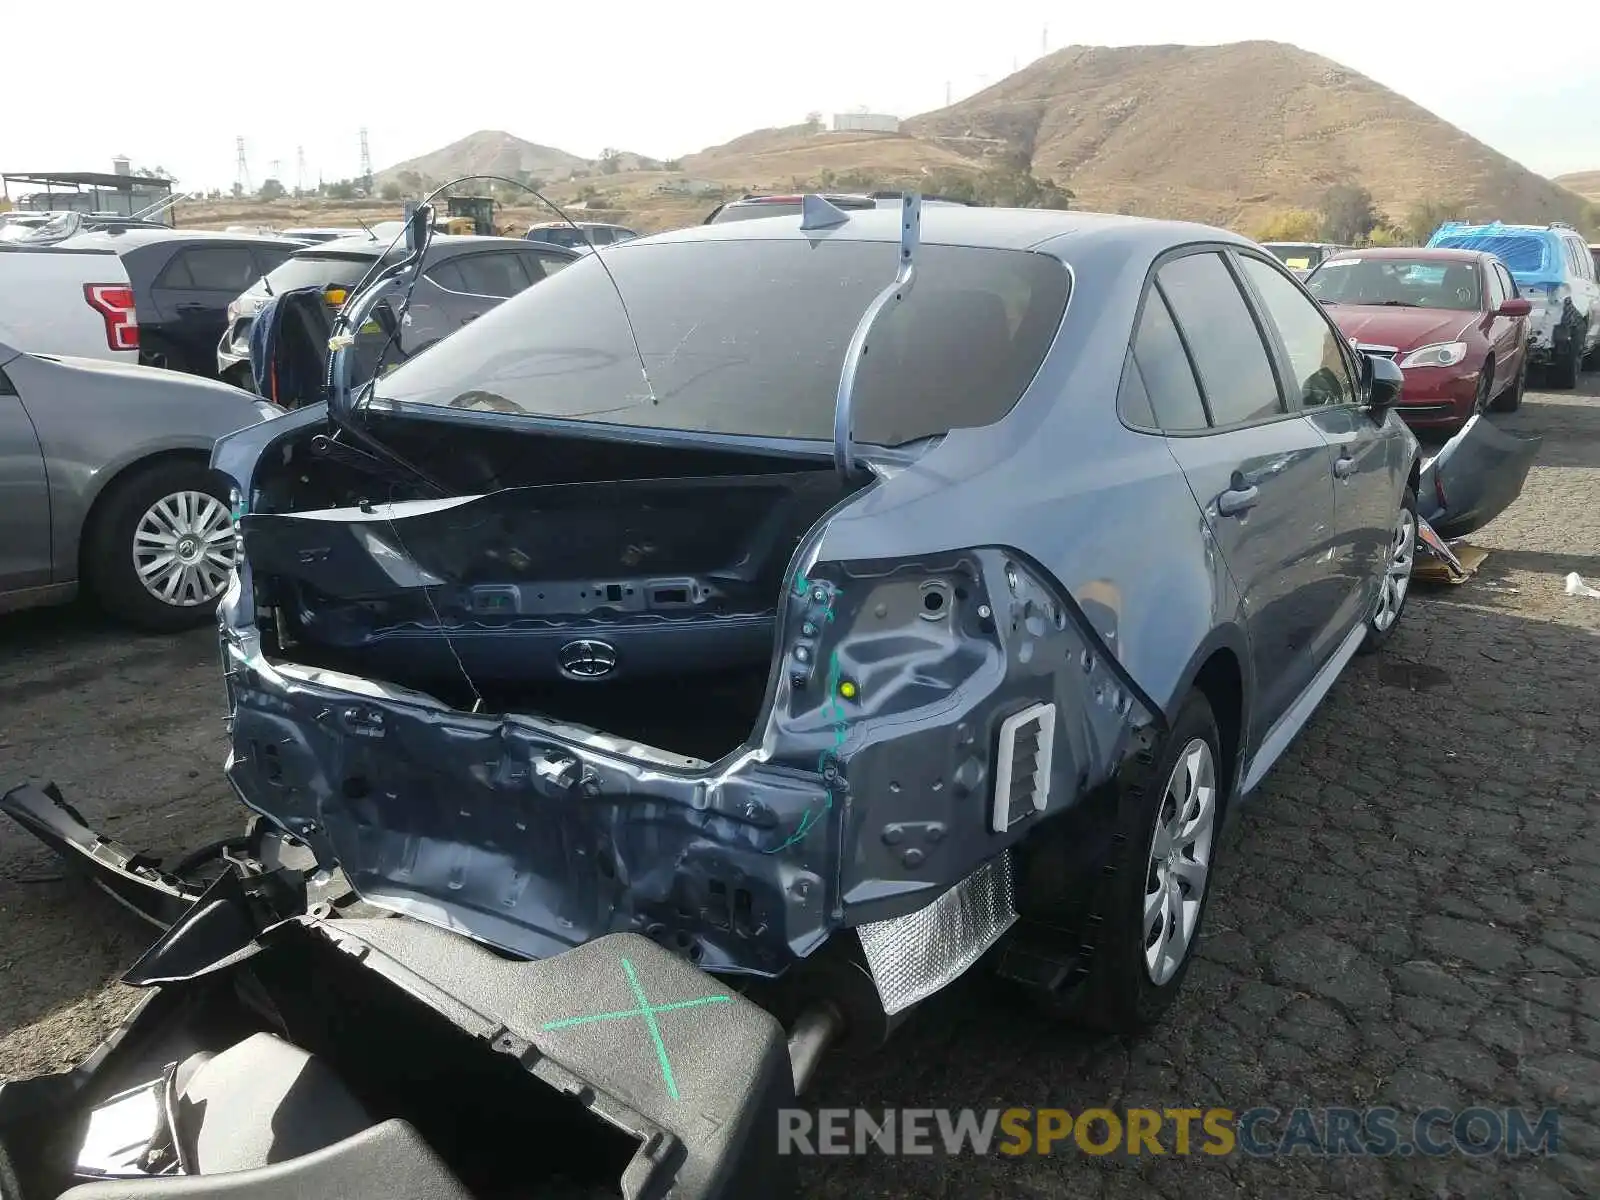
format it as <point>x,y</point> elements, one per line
<point>616,678</point>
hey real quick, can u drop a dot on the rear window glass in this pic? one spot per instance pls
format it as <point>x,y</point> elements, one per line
<point>1520,252</point>
<point>319,270</point>
<point>791,208</point>
<point>748,338</point>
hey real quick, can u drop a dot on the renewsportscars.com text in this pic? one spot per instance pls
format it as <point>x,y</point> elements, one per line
<point>1255,1132</point>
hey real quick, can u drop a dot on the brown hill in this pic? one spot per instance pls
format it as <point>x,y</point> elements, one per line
<point>770,158</point>
<point>487,152</point>
<point>1228,133</point>
<point>1584,183</point>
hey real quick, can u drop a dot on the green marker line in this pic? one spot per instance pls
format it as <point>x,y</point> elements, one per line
<point>655,1030</point>
<point>568,1022</point>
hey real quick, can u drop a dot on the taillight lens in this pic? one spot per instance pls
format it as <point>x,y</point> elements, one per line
<point>114,303</point>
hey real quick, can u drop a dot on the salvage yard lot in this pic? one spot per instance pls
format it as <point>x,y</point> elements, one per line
<point>1410,915</point>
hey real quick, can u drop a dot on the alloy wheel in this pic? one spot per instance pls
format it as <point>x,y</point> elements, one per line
<point>183,549</point>
<point>1397,571</point>
<point>1180,861</point>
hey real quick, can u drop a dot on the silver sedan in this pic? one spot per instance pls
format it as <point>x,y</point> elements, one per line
<point>106,486</point>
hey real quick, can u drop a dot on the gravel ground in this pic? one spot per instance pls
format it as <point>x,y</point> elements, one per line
<point>1409,916</point>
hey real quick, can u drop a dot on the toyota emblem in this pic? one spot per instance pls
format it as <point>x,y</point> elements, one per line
<point>587,659</point>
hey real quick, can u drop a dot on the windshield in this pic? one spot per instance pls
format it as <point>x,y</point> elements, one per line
<point>1402,282</point>
<point>319,270</point>
<point>747,337</point>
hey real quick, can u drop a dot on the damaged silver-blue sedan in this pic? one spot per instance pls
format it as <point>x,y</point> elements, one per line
<point>833,599</point>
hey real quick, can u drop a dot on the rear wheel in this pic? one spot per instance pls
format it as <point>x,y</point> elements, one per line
<point>1395,586</point>
<point>1564,371</point>
<point>160,549</point>
<point>1152,897</point>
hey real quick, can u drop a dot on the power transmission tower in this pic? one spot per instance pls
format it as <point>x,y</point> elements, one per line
<point>1044,41</point>
<point>241,177</point>
<point>276,166</point>
<point>299,169</point>
<point>366,161</point>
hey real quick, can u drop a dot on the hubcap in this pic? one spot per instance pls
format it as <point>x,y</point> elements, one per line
<point>183,549</point>
<point>1397,572</point>
<point>1180,861</point>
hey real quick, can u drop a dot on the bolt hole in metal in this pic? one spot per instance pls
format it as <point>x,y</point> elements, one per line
<point>183,549</point>
<point>1397,571</point>
<point>935,596</point>
<point>1180,861</point>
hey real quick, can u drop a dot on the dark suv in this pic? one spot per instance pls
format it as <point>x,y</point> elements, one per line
<point>465,276</point>
<point>183,282</point>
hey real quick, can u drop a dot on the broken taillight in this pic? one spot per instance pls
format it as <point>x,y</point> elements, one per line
<point>114,303</point>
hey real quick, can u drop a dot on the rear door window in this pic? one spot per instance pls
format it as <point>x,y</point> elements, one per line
<point>211,269</point>
<point>1236,375</point>
<point>497,273</point>
<point>541,266</point>
<point>1165,375</point>
<point>1314,346</point>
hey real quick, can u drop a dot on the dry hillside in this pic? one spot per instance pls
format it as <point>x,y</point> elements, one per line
<point>1228,133</point>
<point>1584,183</point>
<point>1225,134</point>
<point>487,152</point>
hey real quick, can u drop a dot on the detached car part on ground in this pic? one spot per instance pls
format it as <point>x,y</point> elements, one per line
<point>262,1063</point>
<point>594,624</point>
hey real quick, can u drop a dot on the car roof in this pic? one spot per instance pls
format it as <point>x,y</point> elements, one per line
<point>130,239</point>
<point>1045,229</point>
<point>373,247</point>
<point>579,224</point>
<point>1416,253</point>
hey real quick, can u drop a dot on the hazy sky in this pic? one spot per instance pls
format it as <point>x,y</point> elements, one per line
<point>176,84</point>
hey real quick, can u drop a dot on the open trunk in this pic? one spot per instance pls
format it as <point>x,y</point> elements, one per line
<point>624,586</point>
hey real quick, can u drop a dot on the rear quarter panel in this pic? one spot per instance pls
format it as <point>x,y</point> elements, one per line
<point>95,421</point>
<point>1103,510</point>
<point>42,306</point>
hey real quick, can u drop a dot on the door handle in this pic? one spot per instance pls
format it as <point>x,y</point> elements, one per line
<point>1343,465</point>
<point>1237,500</point>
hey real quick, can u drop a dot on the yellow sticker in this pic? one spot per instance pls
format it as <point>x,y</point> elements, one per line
<point>371,326</point>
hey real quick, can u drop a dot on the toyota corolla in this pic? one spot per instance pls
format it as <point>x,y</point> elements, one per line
<point>856,598</point>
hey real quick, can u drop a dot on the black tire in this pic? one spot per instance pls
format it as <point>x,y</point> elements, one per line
<point>1380,631</point>
<point>1564,371</point>
<point>109,572</point>
<point>1511,399</point>
<point>1119,994</point>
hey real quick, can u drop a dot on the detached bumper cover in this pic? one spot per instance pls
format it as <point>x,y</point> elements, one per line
<point>1474,478</point>
<point>536,837</point>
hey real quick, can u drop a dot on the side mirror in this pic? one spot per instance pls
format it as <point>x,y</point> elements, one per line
<point>1381,380</point>
<point>1517,306</point>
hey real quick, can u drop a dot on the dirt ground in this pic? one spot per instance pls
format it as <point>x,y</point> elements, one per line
<point>1409,916</point>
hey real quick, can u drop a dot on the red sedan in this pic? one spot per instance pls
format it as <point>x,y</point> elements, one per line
<point>1451,320</point>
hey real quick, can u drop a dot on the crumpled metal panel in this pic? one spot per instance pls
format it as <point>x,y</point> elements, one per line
<point>914,956</point>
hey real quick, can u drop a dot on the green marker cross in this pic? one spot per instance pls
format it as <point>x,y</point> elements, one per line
<point>648,1011</point>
